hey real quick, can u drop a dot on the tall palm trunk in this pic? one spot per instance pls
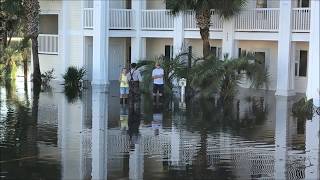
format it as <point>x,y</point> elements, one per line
<point>32,9</point>
<point>36,65</point>
<point>203,21</point>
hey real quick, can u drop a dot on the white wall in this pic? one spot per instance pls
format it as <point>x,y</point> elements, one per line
<point>118,4</point>
<point>197,46</point>
<point>156,47</point>
<point>271,49</point>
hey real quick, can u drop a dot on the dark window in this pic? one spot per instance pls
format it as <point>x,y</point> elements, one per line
<point>303,63</point>
<point>303,3</point>
<point>167,51</point>
<point>48,24</point>
<point>261,58</point>
<point>213,51</point>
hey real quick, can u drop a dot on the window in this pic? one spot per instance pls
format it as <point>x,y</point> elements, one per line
<point>301,64</point>
<point>168,51</point>
<point>303,3</point>
<point>260,57</point>
<point>216,51</point>
<point>48,24</point>
<point>262,4</point>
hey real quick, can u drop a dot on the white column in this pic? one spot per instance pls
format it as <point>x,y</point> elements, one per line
<point>136,161</point>
<point>138,44</point>
<point>229,44</point>
<point>99,131</point>
<point>285,86</point>
<point>175,145</point>
<point>313,86</point>
<point>100,42</point>
<point>178,38</point>
<point>281,137</point>
<point>63,36</point>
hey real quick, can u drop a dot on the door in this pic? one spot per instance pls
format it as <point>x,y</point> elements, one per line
<point>116,60</point>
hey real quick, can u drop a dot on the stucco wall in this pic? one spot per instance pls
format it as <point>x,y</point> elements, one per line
<point>156,46</point>
<point>271,49</point>
<point>197,46</point>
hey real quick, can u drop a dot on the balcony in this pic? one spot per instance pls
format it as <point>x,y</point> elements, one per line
<point>157,20</point>
<point>301,19</point>
<point>88,18</point>
<point>252,20</point>
<point>260,19</point>
<point>189,19</point>
<point>48,44</point>
<point>121,19</point>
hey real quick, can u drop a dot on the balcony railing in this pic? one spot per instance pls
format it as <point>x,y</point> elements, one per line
<point>301,19</point>
<point>156,20</point>
<point>88,18</point>
<point>48,43</point>
<point>190,22</point>
<point>260,19</point>
<point>121,19</point>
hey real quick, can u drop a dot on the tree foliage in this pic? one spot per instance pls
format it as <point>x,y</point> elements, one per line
<point>224,8</point>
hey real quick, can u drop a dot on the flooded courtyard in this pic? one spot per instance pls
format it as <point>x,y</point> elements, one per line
<point>93,136</point>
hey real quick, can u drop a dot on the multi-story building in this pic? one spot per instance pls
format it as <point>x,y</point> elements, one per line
<point>103,36</point>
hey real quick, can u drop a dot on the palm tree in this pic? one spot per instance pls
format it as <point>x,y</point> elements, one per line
<point>223,77</point>
<point>32,10</point>
<point>224,8</point>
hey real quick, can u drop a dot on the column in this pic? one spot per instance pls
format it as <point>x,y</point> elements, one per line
<point>64,37</point>
<point>313,86</point>
<point>100,42</point>
<point>175,145</point>
<point>281,137</point>
<point>138,44</point>
<point>178,37</point>
<point>99,132</point>
<point>285,85</point>
<point>229,44</point>
<point>136,161</point>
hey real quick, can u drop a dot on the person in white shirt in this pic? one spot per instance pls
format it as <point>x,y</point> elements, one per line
<point>158,83</point>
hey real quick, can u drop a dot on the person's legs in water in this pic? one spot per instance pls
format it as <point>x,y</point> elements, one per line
<point>154,93</point>
<point>161,92</point>
<point>122,92</point>
<point>126,95</point>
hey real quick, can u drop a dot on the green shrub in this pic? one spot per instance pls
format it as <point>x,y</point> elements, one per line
<point>47,77</point>
<point>74,76</point>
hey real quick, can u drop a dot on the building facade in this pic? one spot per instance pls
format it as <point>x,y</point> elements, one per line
<point>104,36</point>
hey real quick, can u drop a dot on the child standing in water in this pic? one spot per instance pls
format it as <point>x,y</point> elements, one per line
<point>124,86</point>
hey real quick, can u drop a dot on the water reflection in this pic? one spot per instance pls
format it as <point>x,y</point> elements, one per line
<point>94,137</point>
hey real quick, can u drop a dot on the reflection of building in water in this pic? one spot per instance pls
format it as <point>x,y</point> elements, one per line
<point>124,117</point>
<point>256,156</point>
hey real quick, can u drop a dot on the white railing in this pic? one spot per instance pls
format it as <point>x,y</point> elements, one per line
<point>48,43</point>
<point>301,19</point>
<point>156,20</point>
<point>260,19</point>
<point>88,18</point>
<point>121,19</point>
<point>190,22</point>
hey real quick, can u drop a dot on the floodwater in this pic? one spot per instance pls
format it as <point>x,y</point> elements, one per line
<point>52,136</point>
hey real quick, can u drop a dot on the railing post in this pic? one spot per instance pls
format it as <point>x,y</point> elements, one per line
<point>178,37</point>
<point>313,86</point>
<point>285,84</point>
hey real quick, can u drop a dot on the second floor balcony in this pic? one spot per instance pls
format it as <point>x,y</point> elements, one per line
<point>252,20</point>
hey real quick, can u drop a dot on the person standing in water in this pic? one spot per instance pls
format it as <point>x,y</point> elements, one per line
<point>158,83</point>
<point>124,86</point>
<point>134,78</point>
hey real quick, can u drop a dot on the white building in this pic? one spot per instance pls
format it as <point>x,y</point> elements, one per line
<point>103,36</point>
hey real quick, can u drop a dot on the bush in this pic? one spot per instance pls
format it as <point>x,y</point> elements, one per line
<point>47,77</point>
<point>74,76</point>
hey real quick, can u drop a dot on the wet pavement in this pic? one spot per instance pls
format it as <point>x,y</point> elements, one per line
<point>93,136</point>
